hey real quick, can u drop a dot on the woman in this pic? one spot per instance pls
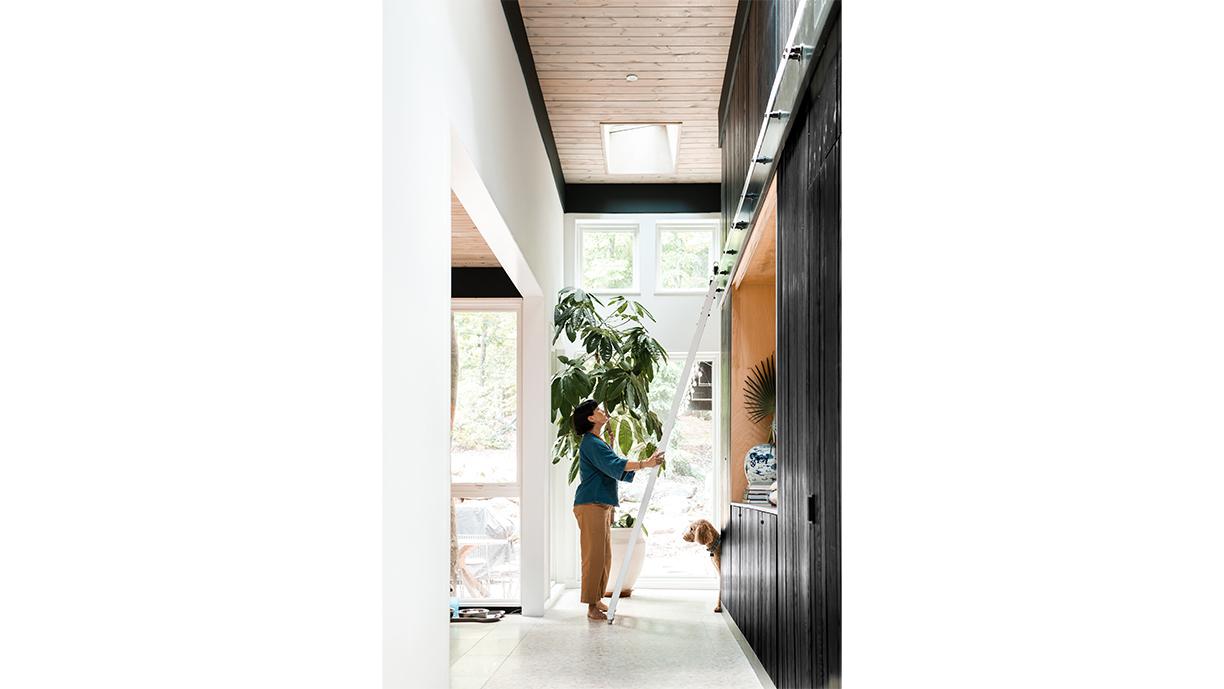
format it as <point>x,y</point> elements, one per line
<point>598,470</point>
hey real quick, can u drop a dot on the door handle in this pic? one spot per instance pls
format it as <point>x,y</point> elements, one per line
<point>811,508</point>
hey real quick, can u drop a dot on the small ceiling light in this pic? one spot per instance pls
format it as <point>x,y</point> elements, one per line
<point>630,77</point>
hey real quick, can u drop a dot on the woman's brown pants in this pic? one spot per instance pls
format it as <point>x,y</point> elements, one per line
<point>595,528</point>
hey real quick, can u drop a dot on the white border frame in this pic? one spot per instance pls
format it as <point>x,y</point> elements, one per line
<point>662,226</point>
<point>500,490</point>
<point>580,227</point>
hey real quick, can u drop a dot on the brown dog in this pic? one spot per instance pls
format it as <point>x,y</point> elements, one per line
<point>704,533</point>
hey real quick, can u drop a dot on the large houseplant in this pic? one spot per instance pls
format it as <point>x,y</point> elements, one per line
<point>616,366</point>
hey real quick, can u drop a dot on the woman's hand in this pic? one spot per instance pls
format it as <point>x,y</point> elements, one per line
<point>656,460</point>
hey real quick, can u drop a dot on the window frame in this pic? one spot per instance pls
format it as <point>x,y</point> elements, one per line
<point>499,489</point>
<point>721,490</point>
<point>633,227</point>
<point>710,226</point>
<point>502,489</point>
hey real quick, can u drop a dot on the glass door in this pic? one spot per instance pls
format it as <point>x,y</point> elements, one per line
<point>691,486</point>
<point>485,449</point>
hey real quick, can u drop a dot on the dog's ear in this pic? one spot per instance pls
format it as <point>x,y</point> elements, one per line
<point>705,532</point>
<point>689,535</point>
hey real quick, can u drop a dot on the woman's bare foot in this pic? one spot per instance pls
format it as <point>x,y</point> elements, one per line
<point>594,613</point>
<point>602,606</point>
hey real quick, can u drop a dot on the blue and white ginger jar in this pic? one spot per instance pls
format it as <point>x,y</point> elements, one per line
<point>761,464</point>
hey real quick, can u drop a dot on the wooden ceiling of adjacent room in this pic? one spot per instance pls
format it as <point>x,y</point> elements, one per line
<point>468,247</point>
<point>583,49</point>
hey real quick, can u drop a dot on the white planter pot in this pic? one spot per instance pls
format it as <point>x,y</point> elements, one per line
<point>620,543</point>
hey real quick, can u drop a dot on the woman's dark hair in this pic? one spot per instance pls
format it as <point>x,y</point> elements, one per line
<point>582,424</point>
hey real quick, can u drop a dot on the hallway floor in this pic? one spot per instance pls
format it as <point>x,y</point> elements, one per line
<point>662,639</point>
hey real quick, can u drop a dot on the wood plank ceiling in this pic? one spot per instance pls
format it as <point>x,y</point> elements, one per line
<point>468,247</point>
<point>583,49</point>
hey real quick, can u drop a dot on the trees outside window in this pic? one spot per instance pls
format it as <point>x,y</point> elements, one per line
<point>686,256</point>
<point>685,491</point>
<point>608,257</point>
<point>484,453</point>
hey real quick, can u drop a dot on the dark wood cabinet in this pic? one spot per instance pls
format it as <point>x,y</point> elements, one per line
<point>750,575</point>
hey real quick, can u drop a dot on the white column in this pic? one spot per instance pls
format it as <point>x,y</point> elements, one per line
<point>537,456</point>
<point>416,347</point>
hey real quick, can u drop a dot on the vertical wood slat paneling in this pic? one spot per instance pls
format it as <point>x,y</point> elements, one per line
<point>726,577</point>
<point>755,64</point>
<point>769,569</point>
<point>750,580</point>
<point>785,570</point>
<point>794,403</point>
<point>809,359</point>
<point>751,607</point>
<point>730,577</point>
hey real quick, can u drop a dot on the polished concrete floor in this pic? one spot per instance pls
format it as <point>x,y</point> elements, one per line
<point>662,639</point>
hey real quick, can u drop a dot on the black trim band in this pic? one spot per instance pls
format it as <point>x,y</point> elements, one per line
<point>477,283</point>
<point>518,33</point>
<point>642,198</point>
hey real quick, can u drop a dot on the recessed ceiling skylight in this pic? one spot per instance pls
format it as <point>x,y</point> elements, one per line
<point>641,149</point>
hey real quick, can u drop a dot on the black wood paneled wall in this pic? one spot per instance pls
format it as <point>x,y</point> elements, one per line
<point>750,75</point>
<point>782,572</point>
<point>809,382</point>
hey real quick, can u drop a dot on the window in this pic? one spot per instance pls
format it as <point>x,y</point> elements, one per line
<point>483,434</point>
<point>607,257</point>
<point>686,256</point>
<point>641,149</point>
<point>484,455</point>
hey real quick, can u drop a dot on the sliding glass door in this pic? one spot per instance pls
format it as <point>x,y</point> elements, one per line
<point>691,486</point>
<point>485,449</point>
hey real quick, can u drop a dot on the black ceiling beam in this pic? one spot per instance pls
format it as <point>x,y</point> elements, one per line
<point>643,198</point>
<point>518,33</point>
<point>482,283</point>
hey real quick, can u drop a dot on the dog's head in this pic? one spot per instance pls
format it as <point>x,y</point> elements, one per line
<point>701,531</point>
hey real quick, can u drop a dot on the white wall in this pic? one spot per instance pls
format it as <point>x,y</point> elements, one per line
<point>492,117</point>
<point>416,324</point>
<point>503,177</point>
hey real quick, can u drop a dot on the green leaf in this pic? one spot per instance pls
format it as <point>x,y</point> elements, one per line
<point>624,436</point>
<point>584,380</point>
<point>619,362</point>
<point>760,395</point>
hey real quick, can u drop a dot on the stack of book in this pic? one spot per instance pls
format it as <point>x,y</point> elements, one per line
<point>757,494</point>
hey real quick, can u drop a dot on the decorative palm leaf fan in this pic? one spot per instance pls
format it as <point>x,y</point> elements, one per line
<point>761,393</point>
